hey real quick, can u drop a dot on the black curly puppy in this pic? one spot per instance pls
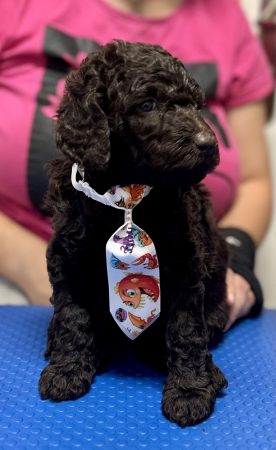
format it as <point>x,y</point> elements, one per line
<point>131,114</point>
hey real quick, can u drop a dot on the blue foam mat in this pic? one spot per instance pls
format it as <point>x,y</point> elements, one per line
<point>122,410</point>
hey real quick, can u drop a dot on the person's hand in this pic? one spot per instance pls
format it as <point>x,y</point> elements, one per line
<point>239,298</point>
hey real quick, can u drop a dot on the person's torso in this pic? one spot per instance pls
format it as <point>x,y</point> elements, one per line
<point>49,39</point>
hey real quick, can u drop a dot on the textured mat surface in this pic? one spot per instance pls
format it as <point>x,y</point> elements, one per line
<point>122,410</point>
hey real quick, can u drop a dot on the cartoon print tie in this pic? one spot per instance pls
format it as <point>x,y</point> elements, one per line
<point>132,264</point>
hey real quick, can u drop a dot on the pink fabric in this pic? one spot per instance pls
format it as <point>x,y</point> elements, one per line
<point>199,31</point>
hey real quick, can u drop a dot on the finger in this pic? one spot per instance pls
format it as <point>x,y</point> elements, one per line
<point>233,316</point>
<point>246,297</point>
<point>246,307</point>
<point>243,303</point>
<point>229,324</point>
<point>242,299</point>
<point>230,287</point>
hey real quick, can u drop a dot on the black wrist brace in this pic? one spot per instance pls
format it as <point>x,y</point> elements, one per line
<point>242,258</point>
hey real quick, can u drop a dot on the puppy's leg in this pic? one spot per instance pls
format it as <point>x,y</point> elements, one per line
<point>193,380</point>
<point>215,307</point>
<point>71,337</point>
<point>72,350</point>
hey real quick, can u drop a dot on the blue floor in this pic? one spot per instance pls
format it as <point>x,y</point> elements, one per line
<point>122,410</point>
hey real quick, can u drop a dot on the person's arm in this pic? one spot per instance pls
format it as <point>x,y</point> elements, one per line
<point>251,209</point>
<point>23,261</point>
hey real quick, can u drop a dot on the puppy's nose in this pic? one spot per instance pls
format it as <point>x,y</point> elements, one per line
<point>205,140</point>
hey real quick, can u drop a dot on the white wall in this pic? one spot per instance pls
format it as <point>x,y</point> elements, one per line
<point>251,8</point>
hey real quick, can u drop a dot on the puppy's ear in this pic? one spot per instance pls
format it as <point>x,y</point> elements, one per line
<point>82,131</point>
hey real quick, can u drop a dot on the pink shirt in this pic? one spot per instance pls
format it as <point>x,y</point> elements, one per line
<point>41,40</point>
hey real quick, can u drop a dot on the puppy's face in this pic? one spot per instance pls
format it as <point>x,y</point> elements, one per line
<point>158,136</point>
<point>131,114</point>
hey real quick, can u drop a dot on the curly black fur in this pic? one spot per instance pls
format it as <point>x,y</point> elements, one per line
<point>130,114</point>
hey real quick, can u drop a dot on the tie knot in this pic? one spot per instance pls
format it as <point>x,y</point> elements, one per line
<point>121,197</point>
<point>127,197</point>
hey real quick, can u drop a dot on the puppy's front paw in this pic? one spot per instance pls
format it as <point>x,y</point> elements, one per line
<point>218,379</point>
<point>187,406</point>
<point>65,382</point>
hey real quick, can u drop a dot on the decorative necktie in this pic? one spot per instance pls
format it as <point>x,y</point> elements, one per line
<point>132,264</point>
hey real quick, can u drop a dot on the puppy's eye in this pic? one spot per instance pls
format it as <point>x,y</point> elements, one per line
<point>147,105</point>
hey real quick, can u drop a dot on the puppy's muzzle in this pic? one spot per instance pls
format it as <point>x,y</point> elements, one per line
<point>206,141</point>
